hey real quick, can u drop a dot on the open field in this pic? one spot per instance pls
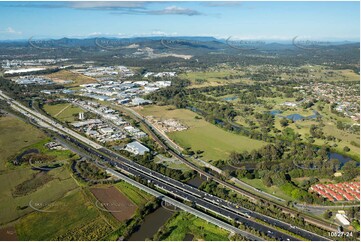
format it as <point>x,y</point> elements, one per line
<point>67,218</point>
<point>201,135</point>
<point>14,207</point>
<point>110,199</point>
<point>183,224</point>
<point>322,73</point>
<point>274,190</point>
<point>8,234</point>
<point>16,135</point>
<point>64,75</point>
<point>137,196</point>
<point>211,78</point>
<point>332,75</point>
<point>171,163</point>
<point>61,155</point>
<point>63,112</point>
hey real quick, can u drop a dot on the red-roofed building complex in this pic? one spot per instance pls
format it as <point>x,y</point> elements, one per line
<point>349,191</point>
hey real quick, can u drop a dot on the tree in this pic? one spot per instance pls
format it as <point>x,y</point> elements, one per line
<point>346,149</point>
<point>327,214</point>
<point>284,122</point>
<point>267,181</point>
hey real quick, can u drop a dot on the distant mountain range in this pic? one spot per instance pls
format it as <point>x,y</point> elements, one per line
<point>158,38</point>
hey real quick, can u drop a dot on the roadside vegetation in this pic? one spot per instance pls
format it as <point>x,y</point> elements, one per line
<point>183,226</point>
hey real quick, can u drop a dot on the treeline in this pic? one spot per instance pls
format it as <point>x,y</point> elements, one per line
<point>24,92</point>
<point>277,164</point>
<point>89,171</point>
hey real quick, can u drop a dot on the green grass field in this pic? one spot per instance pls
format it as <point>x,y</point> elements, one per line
<point>63,112</point>
<point>14,207</point>
<point>201,135</point>
<point>137,196</point>
<point>274,190</point>
<point>213,78</point>
<point>62,155</point>
<point>183,223</point>
<point>14,136</point>
<point>68,216</point>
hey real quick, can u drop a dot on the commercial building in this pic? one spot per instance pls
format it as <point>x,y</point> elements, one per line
<point>342,219</point>
<point>136,148</point>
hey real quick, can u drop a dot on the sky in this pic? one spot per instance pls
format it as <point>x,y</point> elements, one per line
<point>335,21</point>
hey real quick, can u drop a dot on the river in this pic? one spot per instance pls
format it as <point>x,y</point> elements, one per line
<point>152,223</point>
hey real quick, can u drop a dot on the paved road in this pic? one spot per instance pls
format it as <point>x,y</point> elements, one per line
<point>246,193</point>
<point>184,207</point>
<point>203,199</point>
<point>185,191</point>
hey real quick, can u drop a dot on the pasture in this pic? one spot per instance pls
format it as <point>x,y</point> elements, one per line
<point>201,135</point>
<point>16,135</point>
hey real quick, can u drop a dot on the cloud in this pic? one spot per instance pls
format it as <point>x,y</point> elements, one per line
<point>130,7</point>
<point>82,5</point>
<point>222,4</point>
<point>10,30</point>
<point>172,10</point>
<point>106,5</point>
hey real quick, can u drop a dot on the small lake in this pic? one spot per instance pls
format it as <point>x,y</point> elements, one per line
<point>152,223</point>
<point>275,112</point>
<point>295,116</point>
<point>343,159</point>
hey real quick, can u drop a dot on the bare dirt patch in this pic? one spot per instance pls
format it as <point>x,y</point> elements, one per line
<point>8,234</point>
<point>110,199</point>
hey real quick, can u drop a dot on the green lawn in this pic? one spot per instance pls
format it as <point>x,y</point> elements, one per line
<point>63,112</point>
<point>274,190</point>
<point>201,135</point>
<point>183,223</point>
<point>14,136</point>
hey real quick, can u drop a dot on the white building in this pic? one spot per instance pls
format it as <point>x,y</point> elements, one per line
<point>136,148</point>
<point>106,130</point>
<point>342,219</point>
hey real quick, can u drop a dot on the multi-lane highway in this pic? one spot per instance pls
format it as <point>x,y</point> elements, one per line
<point>244,192</point>
<point>183,191</point>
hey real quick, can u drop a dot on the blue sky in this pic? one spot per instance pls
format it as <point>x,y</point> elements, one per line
<point>243,20</point>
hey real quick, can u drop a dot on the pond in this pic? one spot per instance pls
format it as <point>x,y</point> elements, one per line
<point>343,159</point>
<point>275,112</point>
<point>152,223</point>
<point>296,116</point>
